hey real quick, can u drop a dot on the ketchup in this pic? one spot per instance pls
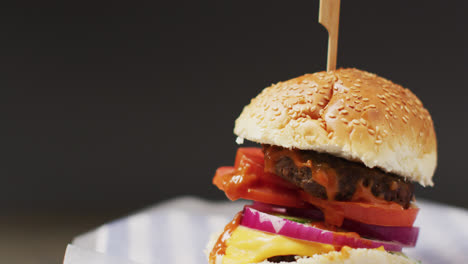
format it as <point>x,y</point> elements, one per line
<point>220,246</point>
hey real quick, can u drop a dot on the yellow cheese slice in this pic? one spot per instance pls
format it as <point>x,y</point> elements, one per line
<point>251,246</point>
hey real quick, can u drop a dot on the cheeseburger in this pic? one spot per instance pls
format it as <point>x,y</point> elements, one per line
<point>333,181</point>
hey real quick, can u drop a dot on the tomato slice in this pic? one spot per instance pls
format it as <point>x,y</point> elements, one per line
<point>238,184</point>
<point>378,214</point>
<point>253,158</point>
<point>248,180</point>
<point>255,155</point>
<point>382,214</point>
<point>221,172</point>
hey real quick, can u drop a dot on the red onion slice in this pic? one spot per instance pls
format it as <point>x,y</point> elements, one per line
<point>269,223</point>
<point>407,236</point>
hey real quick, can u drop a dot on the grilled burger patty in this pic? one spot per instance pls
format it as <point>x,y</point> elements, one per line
<point>349,175</point>
<point>279,259</point>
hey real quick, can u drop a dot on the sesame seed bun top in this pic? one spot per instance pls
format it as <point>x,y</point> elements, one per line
<point>348,113</point>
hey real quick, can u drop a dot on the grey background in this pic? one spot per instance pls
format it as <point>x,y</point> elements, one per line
<point>119,105</point>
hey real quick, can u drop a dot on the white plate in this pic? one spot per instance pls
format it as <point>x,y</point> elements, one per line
<point>178,230</point>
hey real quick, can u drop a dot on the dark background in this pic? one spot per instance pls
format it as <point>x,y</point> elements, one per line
<point>110,107</point>
<point>126,104</point>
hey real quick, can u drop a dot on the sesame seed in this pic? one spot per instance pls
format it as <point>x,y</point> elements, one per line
<point>355,122</point>
<point>331,115</point>
<point>344,112</point>
<point>363,122</point>
<point>378,141</point>
<point>371,131</point>
<point>330,135</point>
<point>341,107</point>
<point>365,99</point>
<point>345,120</point>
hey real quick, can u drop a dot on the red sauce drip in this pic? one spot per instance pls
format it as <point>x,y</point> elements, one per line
<point>326,176</point>
<point>220,246</point>
<point>322,174</point>
<point>365,195</point>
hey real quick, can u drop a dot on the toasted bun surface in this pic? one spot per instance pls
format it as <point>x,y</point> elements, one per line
<point>345,256</point>
<point>349,113</point>
<point>353,256</point>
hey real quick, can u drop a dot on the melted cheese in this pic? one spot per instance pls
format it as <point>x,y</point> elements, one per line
<point>251,246</point>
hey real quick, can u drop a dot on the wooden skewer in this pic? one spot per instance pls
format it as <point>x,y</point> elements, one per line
<point>329,17</point>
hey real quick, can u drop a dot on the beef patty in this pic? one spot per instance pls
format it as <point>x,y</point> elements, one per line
<point>349,175</point>
<point>278,259</point>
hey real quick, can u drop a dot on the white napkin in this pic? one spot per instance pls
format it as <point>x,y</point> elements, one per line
<point>176,232</point>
